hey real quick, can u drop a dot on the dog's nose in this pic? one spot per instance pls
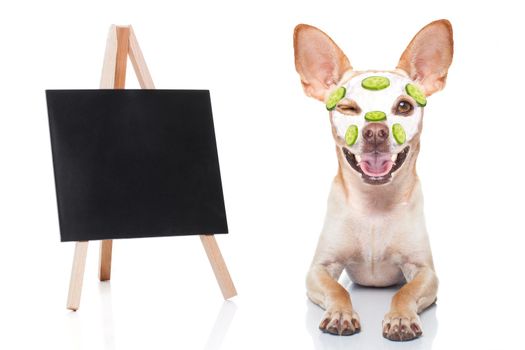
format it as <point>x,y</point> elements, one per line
<point>375,133</point>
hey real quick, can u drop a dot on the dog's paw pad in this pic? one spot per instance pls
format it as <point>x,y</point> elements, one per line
<point>339,322</point>
<point>401,327</point>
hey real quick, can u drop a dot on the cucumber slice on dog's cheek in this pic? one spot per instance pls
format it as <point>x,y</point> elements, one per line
<point>416,93</point>
<point>375,116</point>
<point>375,83</point>
<point>351,135</point>
<point>335,97</point>
<point>399,133</point>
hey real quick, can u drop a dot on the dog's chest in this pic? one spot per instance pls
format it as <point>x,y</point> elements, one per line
<point>375,260</point>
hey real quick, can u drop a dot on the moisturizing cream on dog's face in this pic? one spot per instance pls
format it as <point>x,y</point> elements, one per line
<point>376,94</point>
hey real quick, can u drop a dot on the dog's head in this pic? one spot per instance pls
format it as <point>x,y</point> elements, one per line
<point>376,116</point>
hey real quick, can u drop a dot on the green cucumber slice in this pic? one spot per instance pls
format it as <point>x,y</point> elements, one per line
<point>416,93</point>
<point>335,97</point>
<point>351,135</point>
<point>399,133</point>
<point>375,116</point>
<point>375,83</point>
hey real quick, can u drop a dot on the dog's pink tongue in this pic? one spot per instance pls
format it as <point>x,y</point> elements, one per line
<point>376,164</point>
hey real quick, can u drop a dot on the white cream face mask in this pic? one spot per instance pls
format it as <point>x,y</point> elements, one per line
<point>375,96</point>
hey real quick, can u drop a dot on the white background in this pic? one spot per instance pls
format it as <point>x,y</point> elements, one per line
<point>277,161</point>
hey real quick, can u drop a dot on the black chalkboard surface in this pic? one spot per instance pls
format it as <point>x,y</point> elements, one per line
<point>135,163</point>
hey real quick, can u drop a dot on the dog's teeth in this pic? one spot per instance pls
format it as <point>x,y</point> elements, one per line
<point>358,158</point>
<point>394,157</point>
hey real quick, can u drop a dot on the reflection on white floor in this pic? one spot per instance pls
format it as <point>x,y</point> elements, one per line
<point>77,339</point>
<point>371,304</point>
<point>221,326</point>
<point>106,312</point>
<point>75,323</point>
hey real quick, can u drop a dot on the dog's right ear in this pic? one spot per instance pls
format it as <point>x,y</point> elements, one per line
<point>318,60</point>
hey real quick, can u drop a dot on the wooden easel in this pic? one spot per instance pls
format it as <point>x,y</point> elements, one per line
<point>121,43</point>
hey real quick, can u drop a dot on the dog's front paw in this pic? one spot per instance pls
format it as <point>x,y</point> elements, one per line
<point>401,326</point>
<point>340,321</point>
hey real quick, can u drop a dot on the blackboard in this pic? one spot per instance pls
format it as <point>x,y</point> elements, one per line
<point>135,163</point>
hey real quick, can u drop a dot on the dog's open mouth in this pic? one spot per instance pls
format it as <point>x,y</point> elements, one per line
<point>376,168</point>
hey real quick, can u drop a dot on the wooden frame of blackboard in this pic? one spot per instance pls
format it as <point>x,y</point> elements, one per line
<point>122,43</point>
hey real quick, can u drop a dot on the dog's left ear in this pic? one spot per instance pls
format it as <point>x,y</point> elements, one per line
<point>428,56</point>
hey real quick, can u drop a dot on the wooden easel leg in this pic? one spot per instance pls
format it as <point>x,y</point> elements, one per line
<point>219,266</point>
<point>139,64</point>
<point>77,275</point>
<point>113,77</point>
<point>121,57</point>
<point>104,271</point>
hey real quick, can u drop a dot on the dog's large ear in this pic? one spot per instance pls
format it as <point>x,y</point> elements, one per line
<point>428,56</point>
<point>318,60</point>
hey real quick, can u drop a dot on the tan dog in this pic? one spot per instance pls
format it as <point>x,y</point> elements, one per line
<point>374,227</point>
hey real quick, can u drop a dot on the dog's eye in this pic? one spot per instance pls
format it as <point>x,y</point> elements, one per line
<point>404,108</point>
<point>348,107</point>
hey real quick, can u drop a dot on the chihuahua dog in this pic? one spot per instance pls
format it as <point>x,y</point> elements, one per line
<point>374,227</point>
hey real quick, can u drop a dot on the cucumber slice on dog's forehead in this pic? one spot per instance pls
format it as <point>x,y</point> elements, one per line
<point>335,97</point>
<point>375,83</point>
<point>375,116</point>
<point>399,133</point>
<point>351,135</point>
<point>416,93</point>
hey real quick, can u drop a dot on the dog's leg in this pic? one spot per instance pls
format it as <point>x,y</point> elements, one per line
<point>324,290</point>
<point>402,321</point>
